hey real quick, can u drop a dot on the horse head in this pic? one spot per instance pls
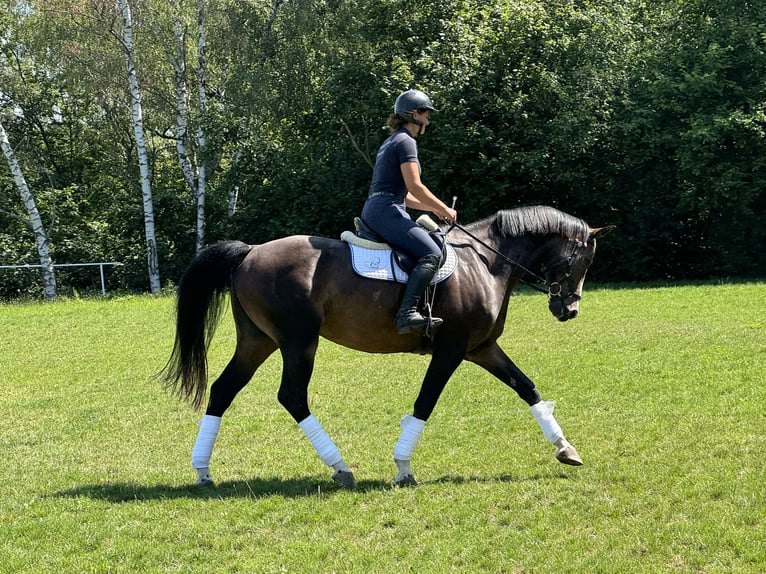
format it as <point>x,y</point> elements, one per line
<point>565,274</point>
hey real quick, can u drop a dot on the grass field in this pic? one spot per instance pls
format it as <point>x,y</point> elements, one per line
<point>661,389</point>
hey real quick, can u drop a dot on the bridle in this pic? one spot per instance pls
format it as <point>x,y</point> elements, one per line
<point>554,289</point>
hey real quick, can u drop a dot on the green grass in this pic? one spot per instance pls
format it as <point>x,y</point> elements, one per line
<point>661,389</point>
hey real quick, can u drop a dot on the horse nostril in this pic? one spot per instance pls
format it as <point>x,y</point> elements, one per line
<point>568,314</point>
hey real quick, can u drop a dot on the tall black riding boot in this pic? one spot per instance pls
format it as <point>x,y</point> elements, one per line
<point>408,317</point>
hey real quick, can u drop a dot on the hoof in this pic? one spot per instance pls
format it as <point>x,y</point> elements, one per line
<point>345,478</point>
<point>568,455</point>
<point>406,480</point>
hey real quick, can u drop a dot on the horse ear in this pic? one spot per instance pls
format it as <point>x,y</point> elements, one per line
<point>597,232</point>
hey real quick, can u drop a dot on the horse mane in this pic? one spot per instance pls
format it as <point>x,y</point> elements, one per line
<point>537,220</point>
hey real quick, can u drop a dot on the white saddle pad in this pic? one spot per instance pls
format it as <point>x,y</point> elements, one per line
<point>376,260</point>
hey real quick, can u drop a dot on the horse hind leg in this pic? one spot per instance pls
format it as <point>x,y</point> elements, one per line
<point>298,364</point>
<point>253,348</point>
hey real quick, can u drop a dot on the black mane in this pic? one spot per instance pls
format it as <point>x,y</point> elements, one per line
<point>539,220</point>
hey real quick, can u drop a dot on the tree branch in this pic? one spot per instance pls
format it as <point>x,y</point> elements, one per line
<point>18,217</point>
<point>356,145</point>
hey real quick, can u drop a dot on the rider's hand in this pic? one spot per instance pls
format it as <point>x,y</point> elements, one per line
<point>449,215</point>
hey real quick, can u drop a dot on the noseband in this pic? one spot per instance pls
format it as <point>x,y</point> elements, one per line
<point>555,289</point>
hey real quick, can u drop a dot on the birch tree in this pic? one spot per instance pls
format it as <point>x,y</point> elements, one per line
<point>194,171</point>
<point>35,221</point>
<point>178,61</point>
<point>201,139</point>
<point>126,38</point>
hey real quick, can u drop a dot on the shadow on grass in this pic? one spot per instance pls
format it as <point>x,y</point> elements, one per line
<point>503,478</point>
<point>119,492</point>
<point>253,488</point>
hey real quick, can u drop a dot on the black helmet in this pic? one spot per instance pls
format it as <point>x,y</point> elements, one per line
<point>412,101</point>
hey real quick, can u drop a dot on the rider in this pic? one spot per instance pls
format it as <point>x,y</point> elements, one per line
<point>395,186</point>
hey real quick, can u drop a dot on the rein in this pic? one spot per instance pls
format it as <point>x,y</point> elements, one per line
<point>550,289</point>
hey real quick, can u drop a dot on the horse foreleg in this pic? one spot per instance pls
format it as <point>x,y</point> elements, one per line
<point>443,364</point>
<point>298,364</point>
<point>492,358</point>
<point>565,452</point>
<point>412,428</point>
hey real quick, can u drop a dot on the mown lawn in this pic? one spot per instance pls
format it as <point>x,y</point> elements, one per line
<point>660,388</point>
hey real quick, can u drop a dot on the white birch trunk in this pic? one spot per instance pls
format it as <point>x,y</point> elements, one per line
<point>182,107</point>
<point>36,222</point>
<point>234,192</point>
<point>273,13</point>
<point>201,141</point>
<point>123,9</point>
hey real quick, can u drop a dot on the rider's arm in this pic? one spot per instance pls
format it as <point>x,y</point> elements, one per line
<point>420,197</point>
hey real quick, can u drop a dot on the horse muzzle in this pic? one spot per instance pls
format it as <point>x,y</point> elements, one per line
<point>563,307</point>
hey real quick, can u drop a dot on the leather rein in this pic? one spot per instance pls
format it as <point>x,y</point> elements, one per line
<point>553,290</point>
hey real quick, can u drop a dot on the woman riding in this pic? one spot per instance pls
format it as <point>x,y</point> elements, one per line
<point>395,186</point>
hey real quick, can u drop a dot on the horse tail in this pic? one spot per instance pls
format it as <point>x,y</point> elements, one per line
<point>199,304</point>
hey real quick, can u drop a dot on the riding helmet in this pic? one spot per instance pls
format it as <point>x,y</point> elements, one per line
<point>412,101</point>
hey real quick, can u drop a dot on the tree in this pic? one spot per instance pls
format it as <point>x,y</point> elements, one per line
<point>195,173</point>
<point>35,221</point>
<point>126,39</point>
<point>686,152</point>
<point>646,115</point>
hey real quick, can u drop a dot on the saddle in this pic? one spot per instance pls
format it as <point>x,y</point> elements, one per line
<point>371,257</point>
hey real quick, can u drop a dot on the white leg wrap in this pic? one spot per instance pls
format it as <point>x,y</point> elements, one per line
<point>408,440</point>
<point>203,447</point>
<point>321,441</point>
<point>543,413</point>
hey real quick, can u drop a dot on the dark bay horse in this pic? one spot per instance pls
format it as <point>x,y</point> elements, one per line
<point>287,293</point>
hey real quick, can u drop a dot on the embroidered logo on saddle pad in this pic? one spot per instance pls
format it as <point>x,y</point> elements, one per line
<point>376,260</point>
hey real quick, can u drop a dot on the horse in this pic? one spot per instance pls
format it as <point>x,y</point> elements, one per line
<point>287,293</point>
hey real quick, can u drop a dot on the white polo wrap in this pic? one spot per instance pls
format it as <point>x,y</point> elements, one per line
<point>320,440</point>
<point>408,440</point>
<point>203,446</point>
<point>543,413</point>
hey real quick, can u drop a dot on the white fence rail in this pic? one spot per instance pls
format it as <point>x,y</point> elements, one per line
<point>100,266</point>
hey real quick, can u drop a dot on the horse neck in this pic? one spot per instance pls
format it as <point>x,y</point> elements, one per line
<point>518,253</point>
<point>521,253</point>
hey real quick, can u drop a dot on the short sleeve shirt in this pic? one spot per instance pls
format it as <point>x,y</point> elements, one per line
<point>399,148</point>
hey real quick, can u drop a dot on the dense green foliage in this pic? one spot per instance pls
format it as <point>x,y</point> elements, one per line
<point>647,115</point>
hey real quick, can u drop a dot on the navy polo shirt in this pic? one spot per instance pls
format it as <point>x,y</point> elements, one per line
<point>399,148</point>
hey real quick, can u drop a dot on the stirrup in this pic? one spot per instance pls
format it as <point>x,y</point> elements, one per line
<point>414,321</point>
